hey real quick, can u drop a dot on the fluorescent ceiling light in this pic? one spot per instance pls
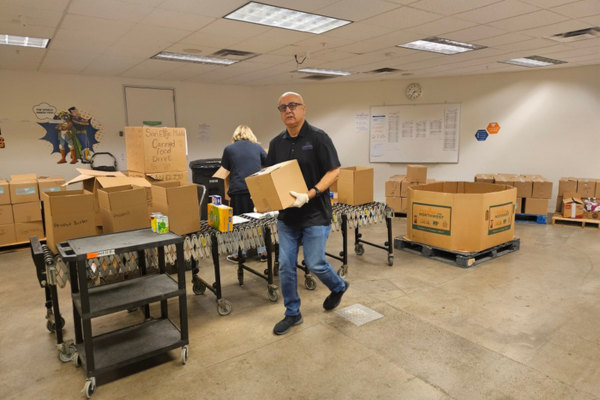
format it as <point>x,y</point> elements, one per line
<point>324,71</point>
<point>533,62</point>
<point>24,41</point>
<point>165,55</point>
<point>285,18</point>
<point>440,45</point>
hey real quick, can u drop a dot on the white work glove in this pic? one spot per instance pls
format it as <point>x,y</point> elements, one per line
<point>301,199</point>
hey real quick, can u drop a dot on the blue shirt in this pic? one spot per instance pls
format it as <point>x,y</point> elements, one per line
<point>242,159</point>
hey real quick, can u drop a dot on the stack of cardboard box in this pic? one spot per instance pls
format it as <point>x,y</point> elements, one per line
<point>576,191</point>
<point>533,191</point>
<point>157,154</point>
<point>396,188</point>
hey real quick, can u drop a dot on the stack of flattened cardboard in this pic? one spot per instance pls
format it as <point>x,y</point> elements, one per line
<point>157,154</point>
<point>533,191</point>
<point>93,181</point>
<point>396,188</point>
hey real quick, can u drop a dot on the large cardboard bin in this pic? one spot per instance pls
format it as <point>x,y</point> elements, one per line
<point>479,216</point>
<point>355,185</point>
<point>270,187</point>
<point>178,201</point>
<point>68,215</point>
<point>151,149</point>
<point>123,208</point>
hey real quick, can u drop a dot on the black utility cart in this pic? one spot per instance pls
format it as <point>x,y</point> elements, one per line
<point>102,353</point>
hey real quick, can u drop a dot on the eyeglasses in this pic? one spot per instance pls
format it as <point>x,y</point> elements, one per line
<point>291,106</point>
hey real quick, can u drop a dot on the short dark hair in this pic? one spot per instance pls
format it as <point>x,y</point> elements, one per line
<point>72,108</point>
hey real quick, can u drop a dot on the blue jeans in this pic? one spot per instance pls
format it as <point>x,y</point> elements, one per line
<point>313,240</point>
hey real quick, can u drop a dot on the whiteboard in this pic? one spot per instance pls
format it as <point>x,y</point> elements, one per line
<point>423,133</point>
<point>149,104</point>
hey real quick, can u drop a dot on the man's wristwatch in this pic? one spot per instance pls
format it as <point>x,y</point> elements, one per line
<point>317,191</point>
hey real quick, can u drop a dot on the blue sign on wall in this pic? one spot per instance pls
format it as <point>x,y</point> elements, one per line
<point>481,135</point>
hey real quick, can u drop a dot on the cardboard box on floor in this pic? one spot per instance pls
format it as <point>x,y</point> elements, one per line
<point>123,208</point>
<point>484,178</point>
<point>4,192</point>
<point>220,217</point>
<point>222,173</point>
<point>393,186</point>
<point>416,173</point>
<point>7,234</point>
<point>92,181</point>
<point>50,184</point>
<point>27,212</point>
<point>151,149</point>
<point>25,230</point>
<point>355,185</point>
<point>395,203</point>
<point>6,214</point>
<point>572,205</point>
<point>586,187</point>
<point>536,206</point>
<point>23,188</point>
<point>480,217</point>
<point>524,186</point>
<point>542,187</point>
<point>567,185</point>
<point>68,215</point>
<point>180,203</point>
<point>591,214</point>
<point>270,188</point>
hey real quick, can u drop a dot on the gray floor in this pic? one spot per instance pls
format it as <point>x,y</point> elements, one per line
<point>523,326</point>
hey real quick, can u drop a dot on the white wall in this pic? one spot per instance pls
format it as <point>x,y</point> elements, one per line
<point>550,119</point>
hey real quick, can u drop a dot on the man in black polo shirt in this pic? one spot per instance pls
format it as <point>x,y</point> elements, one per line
<point>308,221</point>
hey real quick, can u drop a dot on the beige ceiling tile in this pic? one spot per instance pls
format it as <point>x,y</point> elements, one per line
<point>66,61</point>
<point>548,3</point>
<point>136,51</point>
<point>85,42</point>
<point>532,44</point>
<point>12,57</point>
<point>441,26</point>
<point>150,69</point>
<point>365,47</point>
<point>186,71</point>
<point>210,8</point>
<point>403,17</point>
<point>529,21</point>
<point>96,26</point>
<point>141,35</point>
<point>475,33</point>
<point>256,46</point>
<point>206,40</point>
<point>504,39</point>
<point>13,28</point>
<point>50,5</point>
<point>595,58</point>
<point>554,49</point>
<point>185,48</point>
<point>283,36</point>
<point>446,7</point>
<point>148,3</point>
<point>268,59</point>
<point>393,39</point>
<point>359,31</point>
<point>571,53</point>
<point>579,9</point>
<point>30,16</point>
<point>111,65</point>
<point>110,9</point>
<point>586,43</point>
<point>497,11</point>
<point>356,10</point>
<point>239,29</point>
<point>290,50</point>
<point>331,55</point>
<point>561,27</point>
<point>176,20</point>
<point>324,41</point>
<point>593,20</point>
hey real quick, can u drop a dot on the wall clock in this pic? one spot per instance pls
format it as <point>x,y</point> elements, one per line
<point>414,91</point>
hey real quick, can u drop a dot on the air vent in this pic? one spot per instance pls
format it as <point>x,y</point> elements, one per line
<point>234,54</point>
<point>573,36</point>
<point>383,71</point>
<point>318,77</point>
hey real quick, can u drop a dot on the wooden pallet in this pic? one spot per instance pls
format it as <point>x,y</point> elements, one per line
<point>16,245</point>
<point>558,219</point>
<point>460,259</point>
<point>531,218</point>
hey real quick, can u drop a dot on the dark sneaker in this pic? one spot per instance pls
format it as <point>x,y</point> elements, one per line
<point>233,259</point>
<point>334,299</point>
<point>263,257</point>
<point>286,324</point>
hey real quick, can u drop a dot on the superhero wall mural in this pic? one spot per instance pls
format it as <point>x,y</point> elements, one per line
<point>71,133</point>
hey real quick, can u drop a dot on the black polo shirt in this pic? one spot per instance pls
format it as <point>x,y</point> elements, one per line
<point>316,156</point>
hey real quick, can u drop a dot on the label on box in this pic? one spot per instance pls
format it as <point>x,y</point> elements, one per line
<point>51,189</point>
<point>1,190</point>
<point>500,218</point>
<point>432,218</point>
<point>25,190</point>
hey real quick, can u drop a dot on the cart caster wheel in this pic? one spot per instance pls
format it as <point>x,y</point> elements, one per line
<point>225,308</point>
<point>77,360</point>
<point>343,271</point>
<point>310,283</point>
<point>184,354</point>
<point>66,357</point>
<point>359,249</point>
<point>130,310</point>
<point>51,326</point>
<point>273,295</point>
<point>90,387</point>
<point>390,260</point>
<point>266,271</point>
<point>199,288</point>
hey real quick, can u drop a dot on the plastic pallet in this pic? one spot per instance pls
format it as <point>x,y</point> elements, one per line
<point>463,260</point>
<point>531,218</point>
